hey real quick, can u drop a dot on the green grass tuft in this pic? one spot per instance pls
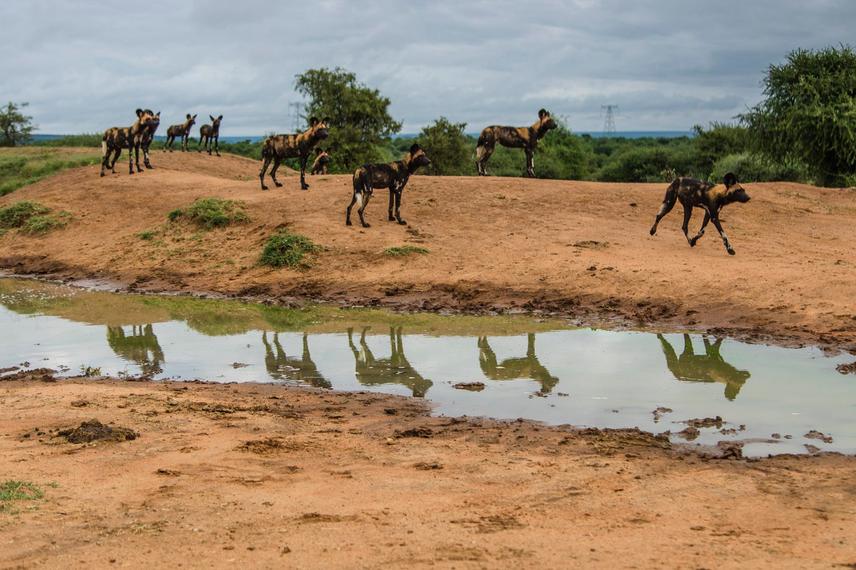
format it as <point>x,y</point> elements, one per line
<point>210,213</point>
<point>147,235</point>
<point>285,249</point>
<point>12,491</point>
<point>19,213</point>
<point>404,250</point>
<point>32,218</point>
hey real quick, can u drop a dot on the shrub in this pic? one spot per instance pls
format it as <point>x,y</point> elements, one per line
<point>17,214</point>
<point>404,250</point>
<point>647,164</point>
<point>285,249</point>
<point>211,213</point>
<point>751,167</point>
<point>448,148</point>
<point>43,223</point>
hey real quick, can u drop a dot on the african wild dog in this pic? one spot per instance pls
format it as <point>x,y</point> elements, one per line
<point>278,147</point>
<point>322,159</point>
<point>181,132</point>
<point>514,137</point>
<point>709,367</point>
<point>709,197</point>
<point>209,132</point>
<point>117,138</point>
<point>148,137</point>
<point>393,175</point>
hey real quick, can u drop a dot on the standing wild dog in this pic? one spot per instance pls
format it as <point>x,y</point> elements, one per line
<point>322,160</point>
<point>209,132</point>
<point>709,197</point>
<point>148,137</point>
<point>514,137</point>
<point>278,147</point>
<point>117,138</point>
<point>393,175</point>
<point>182,132</point>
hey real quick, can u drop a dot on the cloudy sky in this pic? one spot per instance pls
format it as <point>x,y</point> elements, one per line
<point>668,64</point>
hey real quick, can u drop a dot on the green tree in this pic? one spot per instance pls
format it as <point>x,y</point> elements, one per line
<point>15,126</point>
<point>809,113</point>
<point>449,149</point>
<point>359,119</point>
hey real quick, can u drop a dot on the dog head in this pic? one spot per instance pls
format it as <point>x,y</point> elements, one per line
<point>545,121</point>
<point>734,192</point>
<point>417,157</point>
<point>191,120</point>
<point>318,129</point>
<point>322,156</point>
<point>146,117</point>
<point>215,123</point>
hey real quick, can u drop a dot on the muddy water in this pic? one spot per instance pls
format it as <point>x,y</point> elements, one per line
<point>768,397</point>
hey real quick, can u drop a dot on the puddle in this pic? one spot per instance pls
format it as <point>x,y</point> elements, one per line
<point>505,367</point>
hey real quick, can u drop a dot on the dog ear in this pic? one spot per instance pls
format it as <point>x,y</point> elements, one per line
<point>139,112</point>
<point>220,118</point>
<point>313,121</point>
<point>729,180</point>
<point>326,120</point>
<point>318,150</point>
<point>194,117</point>
<point>543,113</point>
<point>414,148</point>
<point>212,118</point>
<point>157,114</point>
<point>188,116</point>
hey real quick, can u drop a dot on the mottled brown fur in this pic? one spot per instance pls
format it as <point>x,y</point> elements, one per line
<point>322,160</point>
<point>117,138</point>
<point>207,133</point>
<point>392,175</point>
<point>148,137</point>
<point>181,132</point>
<point>278,147</point>
<point>709,197</point>
<point>514,137</point>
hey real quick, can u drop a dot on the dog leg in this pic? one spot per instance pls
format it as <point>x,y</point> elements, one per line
<point>398,207</point>
<point>390,217</point>
<point>668,203</point>
<point>701,229</point>
<point>364,201</point>
<point>688,213</point>
<point>276,162</point>
<point>715,219</point>
<point>348,210</point>
<point>265,164</point>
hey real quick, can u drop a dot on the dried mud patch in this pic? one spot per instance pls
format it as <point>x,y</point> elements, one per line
<point>94,431</point>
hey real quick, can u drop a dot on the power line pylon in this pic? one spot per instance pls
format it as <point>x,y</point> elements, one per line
<point>609,118</point>
<point>294,111</point>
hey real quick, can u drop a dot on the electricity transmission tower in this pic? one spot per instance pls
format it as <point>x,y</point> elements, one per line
<point>609,118</point>
<point>294,112</point>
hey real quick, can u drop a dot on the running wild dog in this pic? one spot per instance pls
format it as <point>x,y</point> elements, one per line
<point>514,137</point>
<point>709,197</point>
<point>393,175</point>
<point>322,160</point>
<point>278,147</point>
<point>148,137</point>
<point>181,132</point>
<point>209,132</point>
<point>117,138</point>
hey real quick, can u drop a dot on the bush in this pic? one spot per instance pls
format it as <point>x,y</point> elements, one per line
<point>285,249</point>
<point>717,141</point>
<point>32,218</point>
<point>754,168</point>
<point>647,164</point>
<point>448,148</point>
<point>211,213</point>
<point>17,214</point>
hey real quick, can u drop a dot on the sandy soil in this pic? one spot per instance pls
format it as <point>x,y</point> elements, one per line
<point>577,248</point>
<point>266,476</point>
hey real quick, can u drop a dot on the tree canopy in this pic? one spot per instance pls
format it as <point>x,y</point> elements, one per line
<point>359,119</point>
<point>15,126</point>
<point>809,113</point>
<point>450,150</point>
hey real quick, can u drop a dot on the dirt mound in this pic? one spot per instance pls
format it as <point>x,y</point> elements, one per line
<point>93,430</point>
<point>576,248</point>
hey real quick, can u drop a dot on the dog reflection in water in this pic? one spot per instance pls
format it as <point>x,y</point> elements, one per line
<point>396,369</point>
<point>298,369</point>
<point>515,368</point>
<point>141,347</point>
<point>707,367</point>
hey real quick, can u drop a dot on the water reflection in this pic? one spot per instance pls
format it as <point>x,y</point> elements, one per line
<point>514,368</point>
<point>141,347</point>
<point>283,367</point>
<point>707,367</point>
<point>396,369</point>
